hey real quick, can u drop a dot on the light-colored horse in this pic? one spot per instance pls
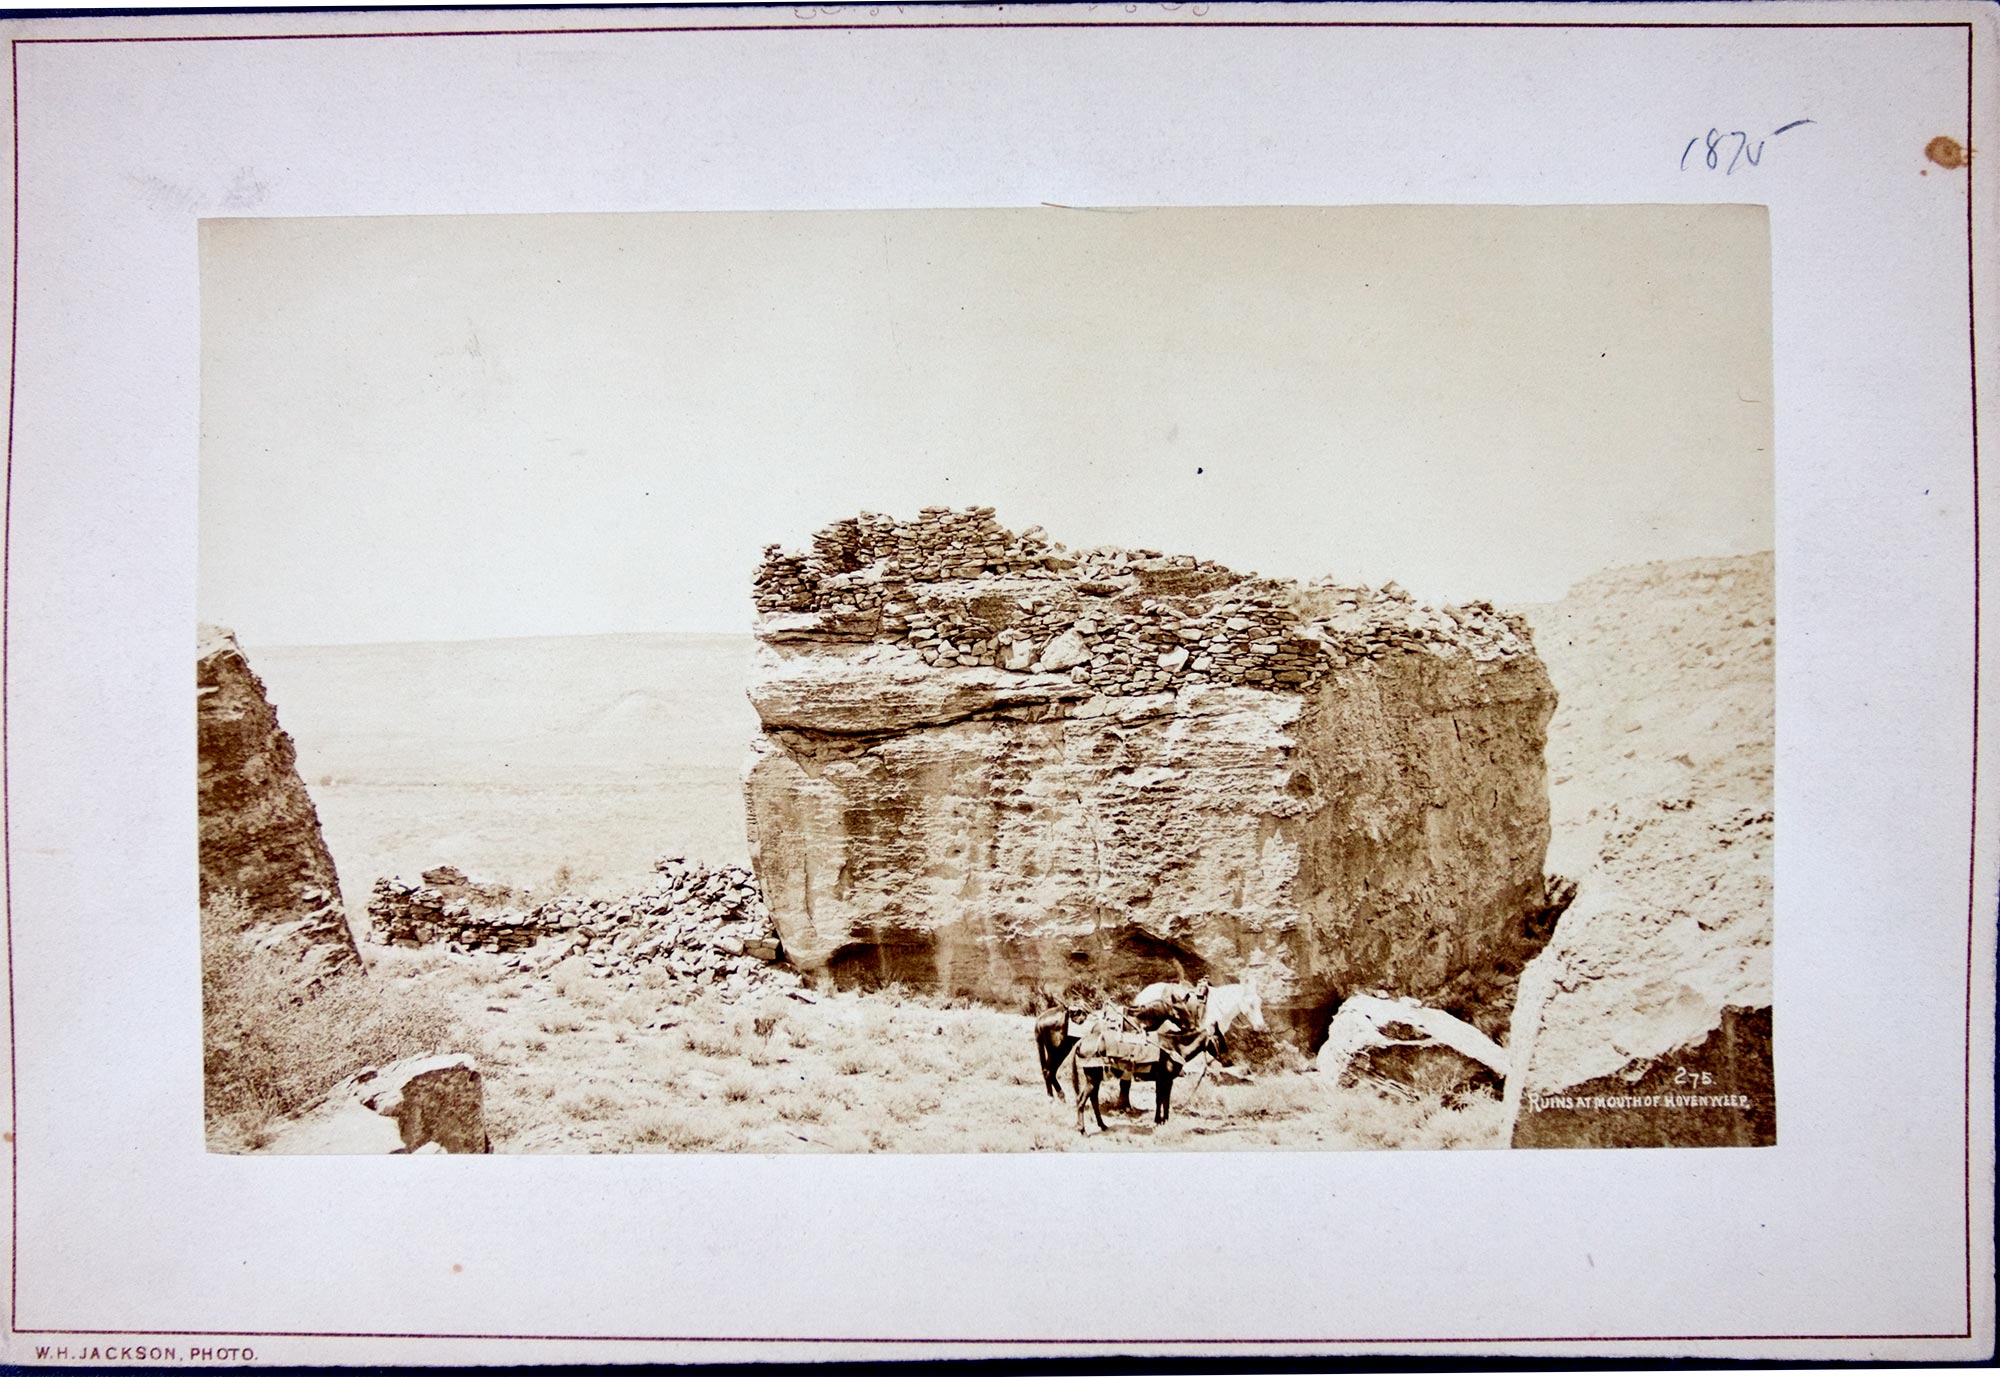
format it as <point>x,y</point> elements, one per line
<point>1227,1005</point>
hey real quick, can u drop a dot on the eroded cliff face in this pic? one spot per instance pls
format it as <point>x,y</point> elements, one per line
<point>990,763</point>
<point>259,831</point>
<point>1646,1022</point>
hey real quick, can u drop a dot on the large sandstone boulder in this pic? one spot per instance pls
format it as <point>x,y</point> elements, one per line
<point>990,763</point>
<point>260,834</point>
<point>1646,1021</point>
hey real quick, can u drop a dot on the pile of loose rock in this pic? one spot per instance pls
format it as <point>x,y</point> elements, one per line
<point>707,926</point>
<point>959,590</point>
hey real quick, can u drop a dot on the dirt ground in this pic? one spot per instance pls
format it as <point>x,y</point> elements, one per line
<point>575,1063</point>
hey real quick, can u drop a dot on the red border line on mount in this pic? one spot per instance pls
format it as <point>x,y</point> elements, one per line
<point>981,1343</point>
<point>6,678</point>
<point>899,25</point>
<point>892,25</point>
<point>1972,859</point>
<point>6,571</point>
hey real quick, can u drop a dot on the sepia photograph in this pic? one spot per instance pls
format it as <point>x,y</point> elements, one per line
<point>987,681</point>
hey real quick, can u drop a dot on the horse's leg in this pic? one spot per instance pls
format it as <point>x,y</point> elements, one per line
<point>1088,1095</point>
<point>1052,1060</point>
<point>1163,1096</point>
<point>1125,1094</point>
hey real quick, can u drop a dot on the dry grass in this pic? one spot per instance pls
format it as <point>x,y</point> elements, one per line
<point>576,1065</point>
<point>272,1046</point>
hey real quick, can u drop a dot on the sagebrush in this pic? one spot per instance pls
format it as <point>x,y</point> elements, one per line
<point>274,1044</point>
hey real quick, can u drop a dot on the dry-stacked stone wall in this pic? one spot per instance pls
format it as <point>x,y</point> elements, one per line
<point>960,590</point>
<point>857,564</point>
<point>705,925</point>
<point>447,907</point>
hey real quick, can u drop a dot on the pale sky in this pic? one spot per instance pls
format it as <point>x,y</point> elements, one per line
<point>461,427</point>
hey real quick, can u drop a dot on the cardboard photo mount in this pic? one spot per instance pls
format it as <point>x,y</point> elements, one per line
<point>1865,1232</point>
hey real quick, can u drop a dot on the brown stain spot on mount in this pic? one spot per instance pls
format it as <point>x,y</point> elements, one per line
<point>458,1267</point>
<point>1946,151</point>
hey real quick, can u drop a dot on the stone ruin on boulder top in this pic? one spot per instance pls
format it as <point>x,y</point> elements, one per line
<point>990,764</point>
<point>259,831</point>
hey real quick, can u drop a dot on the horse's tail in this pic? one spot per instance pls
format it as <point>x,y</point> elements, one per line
<point>1048,1050</point>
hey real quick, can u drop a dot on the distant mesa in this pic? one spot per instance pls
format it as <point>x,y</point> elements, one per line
<point>636,710</point>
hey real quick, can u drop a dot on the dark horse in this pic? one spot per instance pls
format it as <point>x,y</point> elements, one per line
<point>1057,1029</point>
<point>1157,1057</point>
<point>1056,1032</point>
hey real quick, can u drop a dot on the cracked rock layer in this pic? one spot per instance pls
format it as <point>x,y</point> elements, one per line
<point>1127,766</point>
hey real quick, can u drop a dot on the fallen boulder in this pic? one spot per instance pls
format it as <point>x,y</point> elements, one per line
<point>342,1127</point>
<point>1401,1042</point>
<point>1641,1028</point>
<point>419,1104</point>
<point>437,1099</point>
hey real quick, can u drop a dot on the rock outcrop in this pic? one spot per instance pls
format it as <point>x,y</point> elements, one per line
<point>259,831</point>
<point>1646,1022</point>
<point>990,763</point>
